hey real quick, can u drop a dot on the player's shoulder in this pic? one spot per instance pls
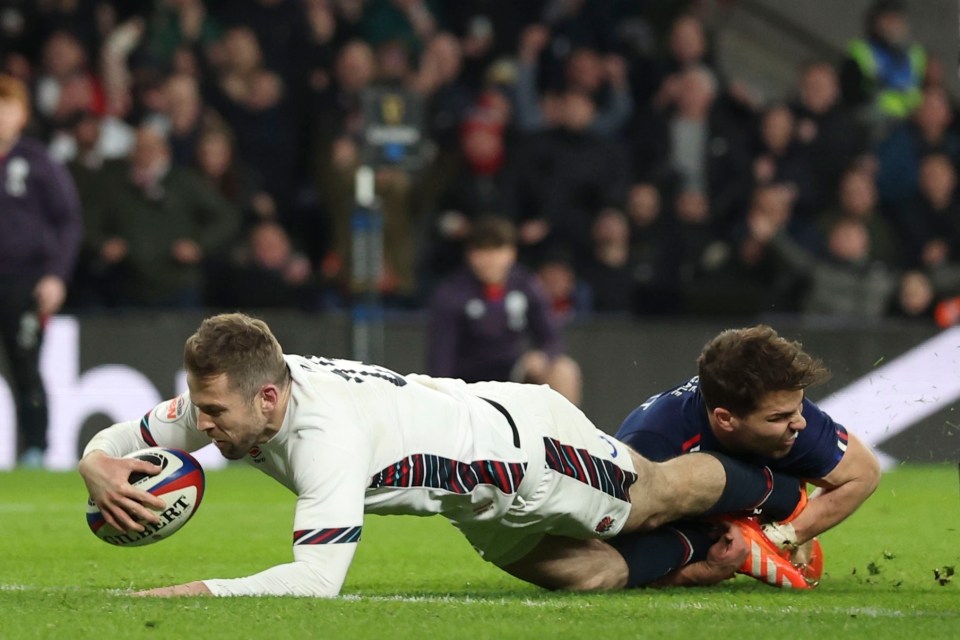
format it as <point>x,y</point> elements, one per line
<point>815,416</point>
<point>176,410</point>
<point>311,371</point>
<point>668,411</point>
<point>674,398</point>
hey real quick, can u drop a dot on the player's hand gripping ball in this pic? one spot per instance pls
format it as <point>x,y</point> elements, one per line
<point>180,484</point>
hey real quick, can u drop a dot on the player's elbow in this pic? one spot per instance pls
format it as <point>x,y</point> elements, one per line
<point>317,585</point>
<point>871,474</point>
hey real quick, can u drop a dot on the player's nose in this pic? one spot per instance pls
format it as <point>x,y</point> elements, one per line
<point>799,423</point>
<point>204,422</point>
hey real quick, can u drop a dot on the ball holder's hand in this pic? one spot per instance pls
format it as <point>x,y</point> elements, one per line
<point>123,506</point>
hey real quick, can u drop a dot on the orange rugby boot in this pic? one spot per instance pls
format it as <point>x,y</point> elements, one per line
<point>808,559</point>
<point>764,560</point>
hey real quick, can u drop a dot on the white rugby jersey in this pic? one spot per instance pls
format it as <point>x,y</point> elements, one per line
<point>356,438</point>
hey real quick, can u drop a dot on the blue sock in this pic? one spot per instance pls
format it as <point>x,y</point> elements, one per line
<point>650,555</point>
<point>756,489</point>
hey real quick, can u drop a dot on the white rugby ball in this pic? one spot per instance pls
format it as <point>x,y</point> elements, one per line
<point>180,483</point>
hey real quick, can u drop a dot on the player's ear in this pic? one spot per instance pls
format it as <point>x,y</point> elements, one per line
<point>723,419</point>
<point>268,396</point>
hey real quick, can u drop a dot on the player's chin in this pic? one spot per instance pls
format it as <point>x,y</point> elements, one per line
<point>230,451</point>
<point>233,454</point>
<point>781,450</point>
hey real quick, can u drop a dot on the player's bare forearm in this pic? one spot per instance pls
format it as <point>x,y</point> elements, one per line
<point>845,489</point>
<point>831,508</point>
<point>195,588</point>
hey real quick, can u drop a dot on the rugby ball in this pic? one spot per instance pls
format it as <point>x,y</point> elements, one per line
<point>180,483</point>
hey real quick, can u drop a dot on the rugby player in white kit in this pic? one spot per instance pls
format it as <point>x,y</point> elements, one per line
<point>529,480</point>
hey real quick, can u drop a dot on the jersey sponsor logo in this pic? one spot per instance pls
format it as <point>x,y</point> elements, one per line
<point>173,411</point>
<point>604,525</point>
<point>257,454</point>
<point>355,371</point>
<point>613,448</point>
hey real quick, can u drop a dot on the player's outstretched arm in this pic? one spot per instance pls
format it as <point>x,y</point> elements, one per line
<point>318,572</point>
<point>845,489</point>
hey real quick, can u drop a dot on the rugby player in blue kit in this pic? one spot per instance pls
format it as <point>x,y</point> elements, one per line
<point>748,401</point>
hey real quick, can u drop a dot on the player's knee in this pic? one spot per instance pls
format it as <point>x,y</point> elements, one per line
<point>649,496</point>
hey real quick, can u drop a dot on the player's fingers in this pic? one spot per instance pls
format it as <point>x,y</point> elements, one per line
<point>134,512</point>
<point>144,497</point>
<point>142,466</point>
<point>140,506</point>
<point>141,497</point>
<point>120,519</point>
<point>153,501</point>
<point>108,517</point>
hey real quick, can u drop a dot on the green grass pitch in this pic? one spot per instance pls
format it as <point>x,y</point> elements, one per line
<point>415,575</point>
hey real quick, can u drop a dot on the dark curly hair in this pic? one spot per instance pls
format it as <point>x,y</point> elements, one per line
<point>739,367</point>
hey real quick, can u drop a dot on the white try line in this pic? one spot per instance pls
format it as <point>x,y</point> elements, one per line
<point>571,602</point>
<point>804,610</point>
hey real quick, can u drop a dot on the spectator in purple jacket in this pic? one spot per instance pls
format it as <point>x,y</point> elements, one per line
<point>40,233</point>
<point>484,318</point>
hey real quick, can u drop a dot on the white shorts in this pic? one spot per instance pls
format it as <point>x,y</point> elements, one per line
<point>577,481</point>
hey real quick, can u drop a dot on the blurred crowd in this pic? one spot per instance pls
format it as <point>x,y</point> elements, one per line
<point>214,145</point>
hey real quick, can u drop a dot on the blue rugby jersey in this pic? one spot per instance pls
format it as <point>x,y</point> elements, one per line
<point>675,422</point>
